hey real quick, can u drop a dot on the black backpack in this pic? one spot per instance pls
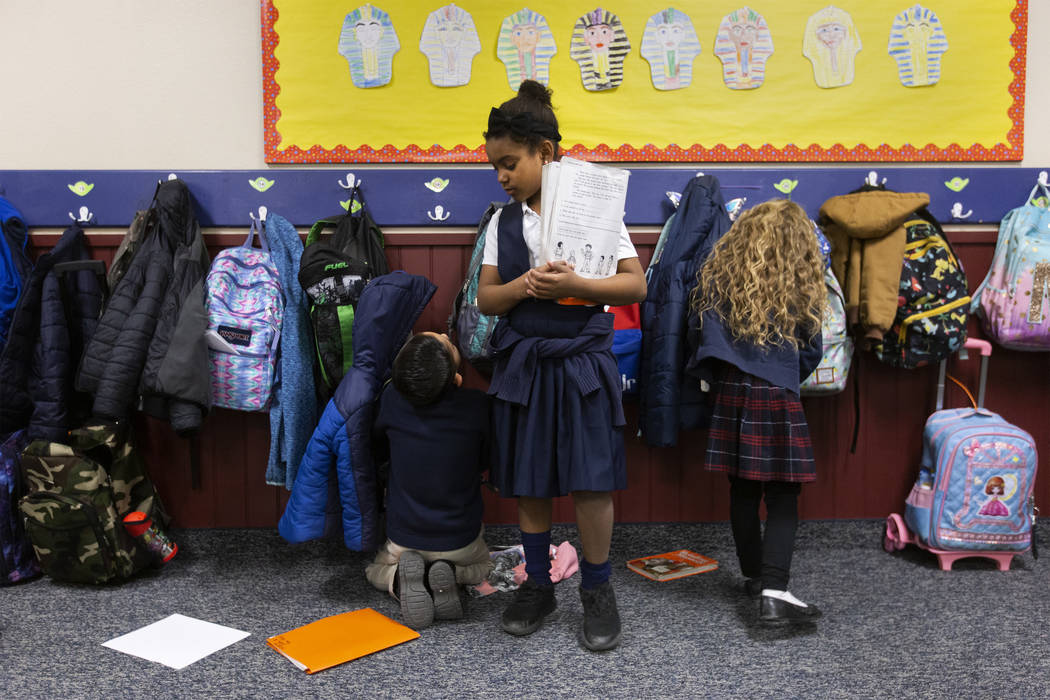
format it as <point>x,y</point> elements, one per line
<point>333,271</point>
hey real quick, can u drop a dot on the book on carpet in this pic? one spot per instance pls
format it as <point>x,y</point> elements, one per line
<point>337,639</point>
<point>581,215</point>
<point>671,565</point>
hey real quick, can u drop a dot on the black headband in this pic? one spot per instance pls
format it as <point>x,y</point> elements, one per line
<point>521,124</point>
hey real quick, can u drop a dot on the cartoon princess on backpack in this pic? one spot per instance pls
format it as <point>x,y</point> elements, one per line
<point>994,507</point>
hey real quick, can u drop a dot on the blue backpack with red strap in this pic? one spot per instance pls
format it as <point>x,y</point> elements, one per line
<point>627,345</point>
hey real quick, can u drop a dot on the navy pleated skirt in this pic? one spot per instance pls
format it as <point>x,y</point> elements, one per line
<point>562,440</point>
<point>758,431</point>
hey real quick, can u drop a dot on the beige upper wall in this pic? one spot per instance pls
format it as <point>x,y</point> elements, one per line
<point>156,84</point>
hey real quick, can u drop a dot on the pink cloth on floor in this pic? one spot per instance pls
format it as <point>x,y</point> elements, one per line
<point>564,563</point>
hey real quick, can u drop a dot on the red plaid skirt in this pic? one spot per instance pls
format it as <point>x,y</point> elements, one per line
<point>758,431</point>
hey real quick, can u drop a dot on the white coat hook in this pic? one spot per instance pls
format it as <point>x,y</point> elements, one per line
<point>84,216</point>
<point>171,176</point>
<point>351,182</point>
<point>957,212</point>
<point>439,213</point>
<point>873,179</point>
<point>1043,179</point>
<point>262,214</point>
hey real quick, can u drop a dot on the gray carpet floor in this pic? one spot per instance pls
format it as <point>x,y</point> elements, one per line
<point>895,626</point>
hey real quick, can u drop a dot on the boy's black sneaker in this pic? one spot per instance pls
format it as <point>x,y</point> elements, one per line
<point>601,619</point>
<point>417,607</point>
<point>442,579</point>
<point>532,603</point>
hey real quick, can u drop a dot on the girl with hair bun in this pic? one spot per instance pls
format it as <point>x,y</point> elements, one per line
<point>557,415</point>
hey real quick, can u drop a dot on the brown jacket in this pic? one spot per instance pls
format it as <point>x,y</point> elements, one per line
<point>867,236</point>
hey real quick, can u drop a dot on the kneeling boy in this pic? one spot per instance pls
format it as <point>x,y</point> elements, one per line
<point>438,435</point>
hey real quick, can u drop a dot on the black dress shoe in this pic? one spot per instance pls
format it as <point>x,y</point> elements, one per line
<point>601,618</point>
<point>532,603</point>
<point>753,587</point>
<point>774,611</point>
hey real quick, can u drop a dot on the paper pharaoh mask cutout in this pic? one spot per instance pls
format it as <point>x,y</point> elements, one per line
<point>670,44</point>
<point>831,42</point>
<point>743,45</point>
<point>525,46</point>
<point>451,42</point>
<point>599,45</point>
<point>368,42</point>
<point>917,43</point>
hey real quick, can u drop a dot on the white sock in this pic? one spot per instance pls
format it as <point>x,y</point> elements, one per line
<point>785,596</point>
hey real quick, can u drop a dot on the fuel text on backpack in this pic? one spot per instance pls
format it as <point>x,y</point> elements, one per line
<point>333,272</point>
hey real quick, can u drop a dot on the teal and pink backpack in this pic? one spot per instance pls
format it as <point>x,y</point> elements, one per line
<point>245,307</point>
<point>1013,301</point>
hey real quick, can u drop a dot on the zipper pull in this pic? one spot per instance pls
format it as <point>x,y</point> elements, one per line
<point>1035,512</point>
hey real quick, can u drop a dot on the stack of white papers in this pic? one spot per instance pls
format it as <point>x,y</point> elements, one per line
<point>581,209</point>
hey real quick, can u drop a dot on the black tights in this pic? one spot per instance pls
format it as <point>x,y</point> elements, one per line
<point>768,557</point>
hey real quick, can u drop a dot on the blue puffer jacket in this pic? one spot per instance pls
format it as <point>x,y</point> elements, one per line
<point>342,442</point>
<point>668,400</point>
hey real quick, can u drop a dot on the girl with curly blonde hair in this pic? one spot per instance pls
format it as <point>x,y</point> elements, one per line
<point>755,332</point>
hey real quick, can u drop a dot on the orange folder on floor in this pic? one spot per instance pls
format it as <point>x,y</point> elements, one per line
<point>337,639</point>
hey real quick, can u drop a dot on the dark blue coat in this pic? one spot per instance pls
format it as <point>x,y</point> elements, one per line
<point>54,320</point>
<point>668,400</point>
<point>338,466</point>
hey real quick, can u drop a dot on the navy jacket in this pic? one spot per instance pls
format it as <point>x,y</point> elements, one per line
<point>668,400</point>
<point>339,467</point>
<point>780,365</point>
<point>55,318</point>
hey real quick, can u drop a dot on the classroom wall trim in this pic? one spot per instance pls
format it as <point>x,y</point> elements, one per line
<point>437,198</point>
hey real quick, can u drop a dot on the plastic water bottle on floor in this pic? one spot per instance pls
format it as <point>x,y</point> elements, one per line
<point>141,527</point>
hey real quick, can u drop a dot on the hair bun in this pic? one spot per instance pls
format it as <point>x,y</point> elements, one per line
<point>536,91</point>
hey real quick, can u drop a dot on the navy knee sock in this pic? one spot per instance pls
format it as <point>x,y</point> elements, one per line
<point>537,556</point>
<point>594,575</point>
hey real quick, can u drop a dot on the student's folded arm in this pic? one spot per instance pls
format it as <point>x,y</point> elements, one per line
<point>496,298</point>
<point>627,286</point>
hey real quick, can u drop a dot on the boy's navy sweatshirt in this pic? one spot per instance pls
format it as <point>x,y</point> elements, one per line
<point>437,454</point>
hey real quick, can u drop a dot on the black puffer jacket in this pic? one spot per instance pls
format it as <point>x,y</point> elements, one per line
<point>54,320</point>
<point>150,343</point>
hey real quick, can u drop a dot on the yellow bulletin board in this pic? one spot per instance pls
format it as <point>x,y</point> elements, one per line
<point>314,112</point>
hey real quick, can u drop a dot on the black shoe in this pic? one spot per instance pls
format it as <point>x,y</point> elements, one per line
<point>601,619</point>
<point>417,607</point>
<point>753,587</point>
<point>442,580</point>
<point>774,611</point>
<point>532,603</point>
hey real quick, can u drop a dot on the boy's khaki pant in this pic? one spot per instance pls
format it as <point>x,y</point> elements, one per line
<point>472,563</point>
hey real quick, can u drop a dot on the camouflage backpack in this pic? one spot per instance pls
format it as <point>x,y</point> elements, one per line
<point>76,496</point>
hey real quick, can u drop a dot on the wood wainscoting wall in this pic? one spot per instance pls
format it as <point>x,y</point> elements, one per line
<point>666,484</point>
